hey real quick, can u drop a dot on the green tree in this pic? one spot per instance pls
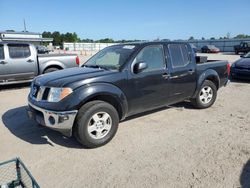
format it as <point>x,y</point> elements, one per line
<point>106,40</point>
<point>46,34</point>
<point>242,36</point>
<point>191,38</point>
<point>57,38</point>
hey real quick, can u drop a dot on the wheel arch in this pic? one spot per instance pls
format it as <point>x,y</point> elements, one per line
<point>52,66</point>
<point>107,93</point>
<point>210,75</point>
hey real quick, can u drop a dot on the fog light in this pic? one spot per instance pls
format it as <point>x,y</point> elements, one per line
<point>52,120</point>
<point>63,118</point>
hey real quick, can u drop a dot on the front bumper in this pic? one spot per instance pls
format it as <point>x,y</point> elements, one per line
<point>61,121</point>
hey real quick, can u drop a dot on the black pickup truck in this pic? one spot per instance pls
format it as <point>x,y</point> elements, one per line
<point>244,47</point>
<point>120,81</point>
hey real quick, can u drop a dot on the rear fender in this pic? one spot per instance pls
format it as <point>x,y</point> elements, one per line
<point>51,63</point>
<point>209,74</point>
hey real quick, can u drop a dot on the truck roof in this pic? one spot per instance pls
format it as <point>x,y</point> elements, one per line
<point>14,42</point>
<point>154,42</point>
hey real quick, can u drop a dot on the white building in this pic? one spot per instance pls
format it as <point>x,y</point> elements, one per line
<point>34,38</point>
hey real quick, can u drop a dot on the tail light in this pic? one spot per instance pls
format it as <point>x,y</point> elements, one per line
<point>228,69</point>
<point>77,60</point>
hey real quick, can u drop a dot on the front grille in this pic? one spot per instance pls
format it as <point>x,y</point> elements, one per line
<point>39,92</point>
<point>45,94</point>
<point>34,90</point>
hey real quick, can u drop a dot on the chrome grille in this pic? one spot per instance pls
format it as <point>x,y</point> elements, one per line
<point>37,92</point>
<point>34,90</point>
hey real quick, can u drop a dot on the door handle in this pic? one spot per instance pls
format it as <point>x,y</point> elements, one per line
<point>166,76</point>
<point>3,62</point>
<point>30,61</point>
<point>190,71</point>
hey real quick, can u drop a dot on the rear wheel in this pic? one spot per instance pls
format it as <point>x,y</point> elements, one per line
<point>206,95</point>
<point>96,124</point>
<point>52,69</point>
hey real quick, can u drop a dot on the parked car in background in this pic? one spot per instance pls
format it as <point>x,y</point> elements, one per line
<point>20,63</point>
<point>244,47</point>
<point>241,68</point>
<point>210,49</point>
<point>120,81</point>
<point>42,50</point>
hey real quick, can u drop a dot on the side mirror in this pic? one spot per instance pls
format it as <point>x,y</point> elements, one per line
<point>139,67</point>
<point>242,55</point>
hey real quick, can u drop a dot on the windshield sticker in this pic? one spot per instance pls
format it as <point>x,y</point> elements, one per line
<point>130,47</point>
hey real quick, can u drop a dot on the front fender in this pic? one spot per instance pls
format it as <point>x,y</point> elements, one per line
<point>89,91</point>
<point>83,94</point>
<point>208,74</point>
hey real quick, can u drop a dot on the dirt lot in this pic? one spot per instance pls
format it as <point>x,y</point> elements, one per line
<point>176,146</point>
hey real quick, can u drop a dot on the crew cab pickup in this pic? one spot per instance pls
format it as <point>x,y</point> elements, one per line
<point>244,47</point>
<point>120,81</point>
<point>20,63</point>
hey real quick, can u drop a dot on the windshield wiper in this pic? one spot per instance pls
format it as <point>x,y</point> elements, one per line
<point>96,66</point>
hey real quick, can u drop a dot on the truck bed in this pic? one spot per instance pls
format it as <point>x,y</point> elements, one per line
<point>218,66</point>
<point>56,55</point>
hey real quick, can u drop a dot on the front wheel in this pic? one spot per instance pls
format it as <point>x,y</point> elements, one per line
<point>96,124</point>
<point>206,95</point>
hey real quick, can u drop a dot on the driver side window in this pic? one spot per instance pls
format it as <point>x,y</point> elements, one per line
<point>153,56</point>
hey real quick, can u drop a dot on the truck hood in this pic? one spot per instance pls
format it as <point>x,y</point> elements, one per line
<point>66,77</point>
<point>243,63</point>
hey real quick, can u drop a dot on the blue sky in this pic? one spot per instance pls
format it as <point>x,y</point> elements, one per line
<point>129,19</point>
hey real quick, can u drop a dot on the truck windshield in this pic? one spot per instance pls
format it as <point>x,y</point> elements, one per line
<point>112,57</point>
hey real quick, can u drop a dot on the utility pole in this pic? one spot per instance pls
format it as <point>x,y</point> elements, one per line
<point>24,24</point>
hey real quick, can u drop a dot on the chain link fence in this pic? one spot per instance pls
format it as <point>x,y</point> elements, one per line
<point>225,45</point>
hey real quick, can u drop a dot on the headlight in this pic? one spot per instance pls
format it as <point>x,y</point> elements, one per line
<point>57,94</point>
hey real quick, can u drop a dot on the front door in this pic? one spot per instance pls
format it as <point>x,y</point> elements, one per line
<point>148,89</point>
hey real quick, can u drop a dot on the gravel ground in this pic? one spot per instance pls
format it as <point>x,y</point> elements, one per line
<point>176,146</point>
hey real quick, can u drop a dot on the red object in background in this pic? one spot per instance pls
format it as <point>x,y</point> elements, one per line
<point>228,69</point>
<point>77,60</point>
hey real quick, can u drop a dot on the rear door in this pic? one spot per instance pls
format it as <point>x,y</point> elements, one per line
<point>22,61</point>
<point>182,72</point>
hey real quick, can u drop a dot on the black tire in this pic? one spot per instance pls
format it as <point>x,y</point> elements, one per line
<point>85,115</point>
<point>198,102</point>
<point>52,69</point>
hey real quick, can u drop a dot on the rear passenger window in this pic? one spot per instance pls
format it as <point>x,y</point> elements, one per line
<point>19,51</point>
<point>178,55</point>
<point>153,56</point>
<point>1,52</point>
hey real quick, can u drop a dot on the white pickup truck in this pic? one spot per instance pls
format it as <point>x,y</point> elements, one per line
<point>20,63</point>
